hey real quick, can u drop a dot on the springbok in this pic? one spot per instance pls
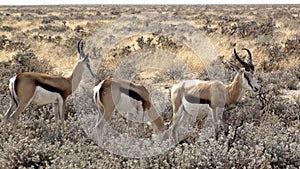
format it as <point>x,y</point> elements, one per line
<point>194,98</point>
<point>125,96</point>
<point>40,89</point>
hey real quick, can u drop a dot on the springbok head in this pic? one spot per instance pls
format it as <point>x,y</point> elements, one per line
<point>249,81</point>
<point>83,59</point>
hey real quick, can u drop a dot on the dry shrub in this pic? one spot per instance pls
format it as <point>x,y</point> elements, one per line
<point>28,62</point>
<point>270,96</point>
<point>53,28</point>
<point>22,62</point>
<point>10,45</point>
<point>244,29</point>
<point>292,47</point>
<point>253,29</point>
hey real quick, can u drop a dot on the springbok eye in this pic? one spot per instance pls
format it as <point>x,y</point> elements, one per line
<point>247,68</point>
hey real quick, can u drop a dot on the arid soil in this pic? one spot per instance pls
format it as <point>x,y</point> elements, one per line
<point>260,131</point>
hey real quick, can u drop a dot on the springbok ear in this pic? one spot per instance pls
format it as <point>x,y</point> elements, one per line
<point>80,49</point>
<point>234,66</point>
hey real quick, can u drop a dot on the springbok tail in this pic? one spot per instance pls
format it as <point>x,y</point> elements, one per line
<point>97,97</point>
<point>13,95</point>
<point>12,90</point>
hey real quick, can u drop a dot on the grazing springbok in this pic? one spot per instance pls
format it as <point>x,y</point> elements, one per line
<point>40,89</point>
<point>194,98</point>
<point>125,96</point>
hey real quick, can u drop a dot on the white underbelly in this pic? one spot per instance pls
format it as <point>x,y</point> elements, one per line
<point>130,108</point>
<point>43,96</point>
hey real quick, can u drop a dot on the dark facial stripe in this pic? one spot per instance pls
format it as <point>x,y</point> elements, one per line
<point>248,80</point>
<point>131,94</point>
<point>49,88</point>
<point>196,100</point>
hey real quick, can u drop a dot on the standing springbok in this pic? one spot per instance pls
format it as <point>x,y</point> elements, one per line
<point>125,96</point>
<point>194,98</point>
<point>40,89</point>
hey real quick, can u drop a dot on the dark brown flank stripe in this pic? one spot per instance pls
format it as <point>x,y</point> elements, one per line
<point>196,100</point>
<point>126,91</point>
<point>131,94</point>
<point>49,88</point>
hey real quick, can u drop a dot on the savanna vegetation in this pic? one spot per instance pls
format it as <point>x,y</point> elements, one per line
<point>262,130</point>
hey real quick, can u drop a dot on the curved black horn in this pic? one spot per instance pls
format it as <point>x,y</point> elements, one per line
<point>248,66</point>
<point>238,58</point>
<point>249,55</point>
